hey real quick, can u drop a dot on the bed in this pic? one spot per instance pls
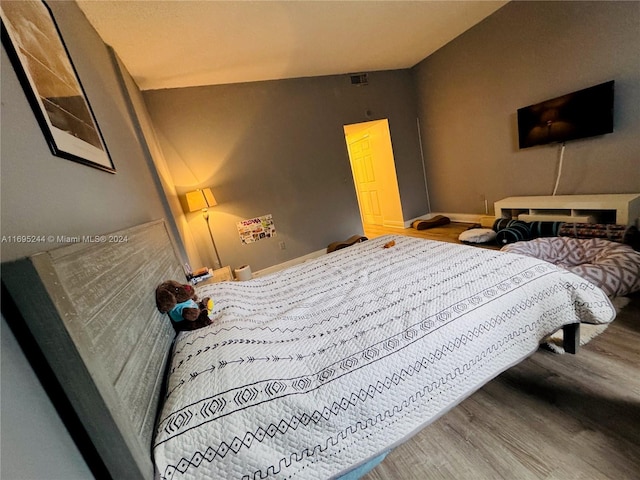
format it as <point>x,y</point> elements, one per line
<point>310,372</point>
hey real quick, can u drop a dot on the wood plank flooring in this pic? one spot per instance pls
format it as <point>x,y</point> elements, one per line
<point>556,417</point>
<point>444,233</point>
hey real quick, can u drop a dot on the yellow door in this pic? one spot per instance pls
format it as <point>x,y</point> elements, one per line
<point>364,174</point>
<point>374,173</point>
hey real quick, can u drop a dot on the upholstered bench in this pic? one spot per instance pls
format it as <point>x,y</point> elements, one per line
<point>612,266</point>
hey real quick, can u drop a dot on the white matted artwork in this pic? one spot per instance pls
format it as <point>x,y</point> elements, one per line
<point>256,229</point>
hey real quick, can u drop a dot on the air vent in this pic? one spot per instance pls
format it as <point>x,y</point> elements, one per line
<point>360,79</point>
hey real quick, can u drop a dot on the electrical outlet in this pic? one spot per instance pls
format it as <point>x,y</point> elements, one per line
<point>282,245</point>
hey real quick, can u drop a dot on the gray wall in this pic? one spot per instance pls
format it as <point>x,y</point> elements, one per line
<point>278,148</point>
<point>34,442</point>
<point>525,53</point>
<point>46,195</point>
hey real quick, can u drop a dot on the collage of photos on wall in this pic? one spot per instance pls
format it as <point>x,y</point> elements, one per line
<point>256,229</point>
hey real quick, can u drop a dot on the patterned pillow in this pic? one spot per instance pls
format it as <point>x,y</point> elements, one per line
<point>612,266</point>
<point>536,229</point>
<point>545,229</point>
<point>516,231</point>
<point>511,231</point>
<point>615,233</point>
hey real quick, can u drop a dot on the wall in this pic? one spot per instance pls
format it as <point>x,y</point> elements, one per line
<point>528,52</point>
<point>46,195</point>
<point>278,148</point>
<point>149,142</point>
<point>35,444</point>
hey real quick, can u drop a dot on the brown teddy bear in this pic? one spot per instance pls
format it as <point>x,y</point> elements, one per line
<point>181,303</point>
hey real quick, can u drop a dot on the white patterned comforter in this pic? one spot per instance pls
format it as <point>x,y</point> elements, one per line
<point>313,370</point>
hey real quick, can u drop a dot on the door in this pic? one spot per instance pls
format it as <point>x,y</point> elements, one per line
<point>364,175</point>
<point>374,173</point>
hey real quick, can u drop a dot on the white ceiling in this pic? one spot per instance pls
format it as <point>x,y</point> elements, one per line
<point>178,43</point>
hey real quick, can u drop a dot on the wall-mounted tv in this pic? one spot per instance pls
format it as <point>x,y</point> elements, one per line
<point>585,113</point>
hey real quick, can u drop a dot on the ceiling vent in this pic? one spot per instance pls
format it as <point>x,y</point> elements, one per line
<point>360,79</point>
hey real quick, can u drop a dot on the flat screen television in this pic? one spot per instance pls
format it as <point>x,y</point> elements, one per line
<point>585,113</point>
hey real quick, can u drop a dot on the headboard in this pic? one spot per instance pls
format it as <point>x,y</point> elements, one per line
<point>90,309</point>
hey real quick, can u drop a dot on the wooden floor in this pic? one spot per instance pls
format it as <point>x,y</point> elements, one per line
<point>560,417</point>
<point>445,233</point>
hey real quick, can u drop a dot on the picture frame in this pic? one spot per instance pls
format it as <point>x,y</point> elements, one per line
<point>33,42</point>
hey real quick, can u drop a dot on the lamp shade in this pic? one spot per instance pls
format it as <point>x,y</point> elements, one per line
<point>200,199</point>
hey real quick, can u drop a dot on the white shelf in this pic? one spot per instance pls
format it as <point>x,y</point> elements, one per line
<point>543,217</point>
<point>621,209</point>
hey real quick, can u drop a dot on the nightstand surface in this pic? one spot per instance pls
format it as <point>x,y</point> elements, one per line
<point>222,274</point>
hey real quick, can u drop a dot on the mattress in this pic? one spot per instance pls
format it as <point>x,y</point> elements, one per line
<point>312,371</point>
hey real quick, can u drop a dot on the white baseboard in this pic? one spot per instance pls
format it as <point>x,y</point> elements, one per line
<point>394,224</point>
<point>455,217</point>
<point>289,263</point>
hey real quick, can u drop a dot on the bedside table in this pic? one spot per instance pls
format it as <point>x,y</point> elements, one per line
<point>222,274</point>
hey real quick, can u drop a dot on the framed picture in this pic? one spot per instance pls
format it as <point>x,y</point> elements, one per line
<point>32,40</point>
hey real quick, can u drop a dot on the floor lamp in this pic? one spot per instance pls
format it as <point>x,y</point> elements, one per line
<point>202,199</point>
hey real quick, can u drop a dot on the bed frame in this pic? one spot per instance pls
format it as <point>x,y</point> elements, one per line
<point>85,315</point>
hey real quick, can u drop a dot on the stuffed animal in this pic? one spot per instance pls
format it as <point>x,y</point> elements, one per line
<point>181,303</point>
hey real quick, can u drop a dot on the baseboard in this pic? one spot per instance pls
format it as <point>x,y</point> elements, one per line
<point>455,217</point>
<point>289,263</point>
<point>393,224</point>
